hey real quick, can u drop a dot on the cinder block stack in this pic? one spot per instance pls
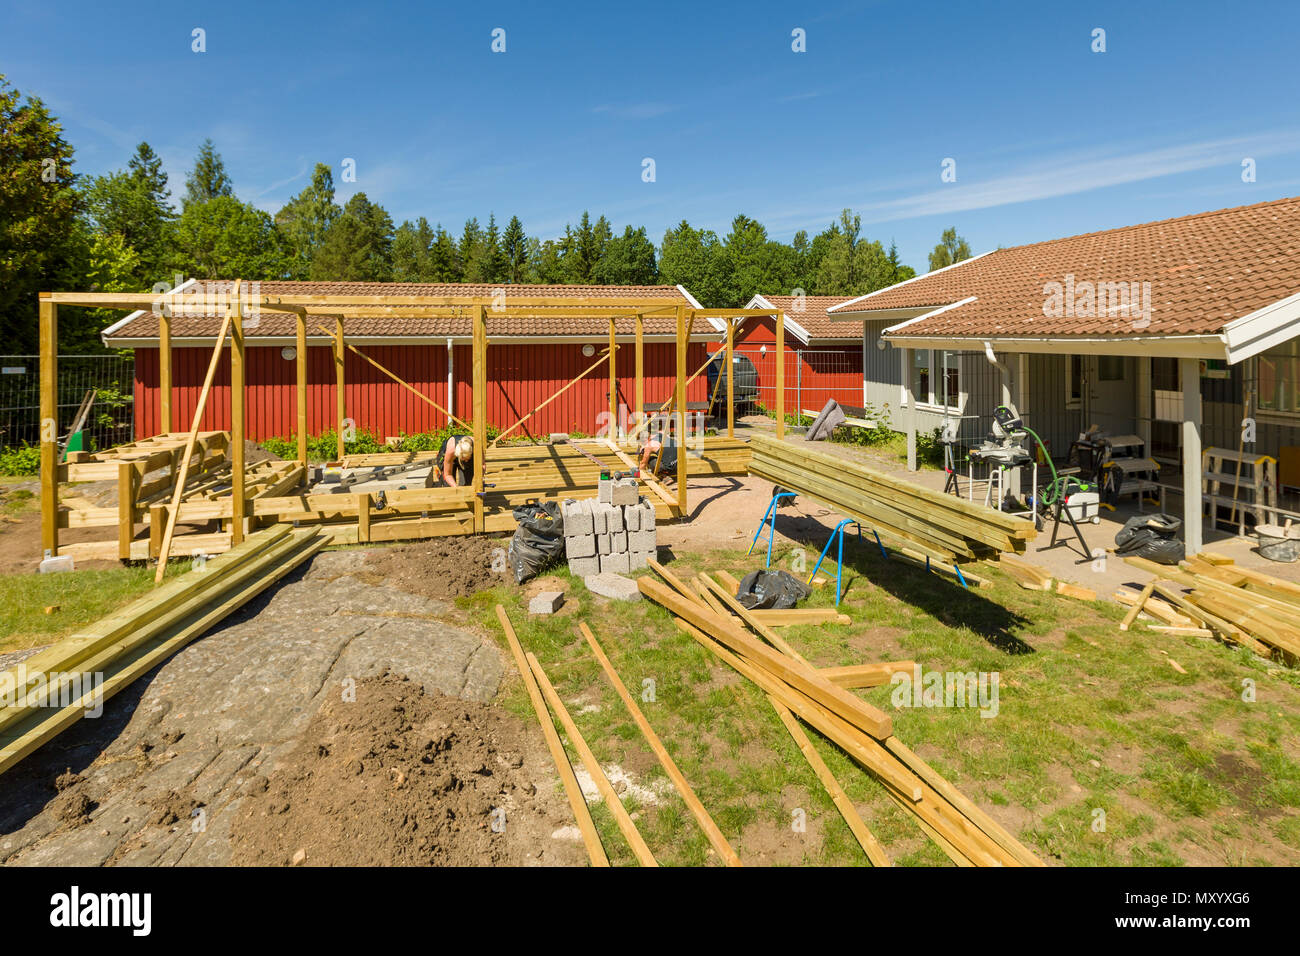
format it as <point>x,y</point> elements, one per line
<point>602,536</point>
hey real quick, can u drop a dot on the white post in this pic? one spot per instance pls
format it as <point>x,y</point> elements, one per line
<point>1144,402</point>
<point>906,356</point>
<point>1190,370</point>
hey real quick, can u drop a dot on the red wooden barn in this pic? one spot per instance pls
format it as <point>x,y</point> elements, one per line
<point>529,358</point>
<point>823,359</point>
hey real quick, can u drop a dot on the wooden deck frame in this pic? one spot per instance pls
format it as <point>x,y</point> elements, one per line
<point>130,463</point>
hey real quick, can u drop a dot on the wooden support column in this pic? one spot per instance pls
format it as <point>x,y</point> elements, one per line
<point>780,375</point>
<point>340,384</point>
<point>682,342</point>
<point>480,411</point>
<point>49,338</point>
<point>909,399</point>
<point>1193,507</point>
<point>639,394</point>
<point>238,503</point>
<point>126,492</point>
<point>731,378</point>
<point>613,384</point>
<point>300,361</point>
<point>164,371</point>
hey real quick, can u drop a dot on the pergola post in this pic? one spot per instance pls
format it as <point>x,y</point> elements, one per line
<point>164,370</point>
<point>909,399</point>
<point>731,378</point>
<point>339,385</point>
<point>480,411</point>
<point>301,368</point>
<point>639,394</point>
<point>1193,506</point>
<point>49,338</point>
<point>237,382</point>
<point>681,410</point>
<point>780,375</point>
<point>613,385</point>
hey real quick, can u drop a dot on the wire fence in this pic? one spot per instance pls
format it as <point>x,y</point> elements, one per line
<point>812,377</point>
<point>112,416</point>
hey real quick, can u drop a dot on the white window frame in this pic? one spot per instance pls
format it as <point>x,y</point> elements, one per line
<point>1280,416</point>
<point>1073,402</point>
<point>930,402</point>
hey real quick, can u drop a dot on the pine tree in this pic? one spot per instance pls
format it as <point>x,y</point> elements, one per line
<point>514,246</point>
<point>208,179</point>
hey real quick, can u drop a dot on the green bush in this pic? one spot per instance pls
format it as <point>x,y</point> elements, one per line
<point>323,447</point>
<point>21,460</point>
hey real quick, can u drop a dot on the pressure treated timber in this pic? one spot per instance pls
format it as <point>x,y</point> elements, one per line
<point>800,675</point>
<point>49,341</point>
<point>702,817</point>
<point>597,774</point>
<point>577,803</point>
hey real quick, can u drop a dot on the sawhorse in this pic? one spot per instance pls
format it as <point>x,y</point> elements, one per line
<point>771,512</point>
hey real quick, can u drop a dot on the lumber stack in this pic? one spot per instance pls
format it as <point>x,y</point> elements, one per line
<point>56,687</point>
<point>964,832</point>
<point>1239,605</point>
<point>937,525</point>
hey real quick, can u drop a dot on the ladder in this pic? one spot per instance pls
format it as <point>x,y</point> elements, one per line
<point>1242,481</point>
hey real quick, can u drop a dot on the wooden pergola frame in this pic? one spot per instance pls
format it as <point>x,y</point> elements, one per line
<point>240,306</point>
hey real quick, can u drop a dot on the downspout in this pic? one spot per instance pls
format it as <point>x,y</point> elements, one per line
<point>1006,375</point>
<point>451,377</point>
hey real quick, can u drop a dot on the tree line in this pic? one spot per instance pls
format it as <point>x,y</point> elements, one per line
<point>122,232</point>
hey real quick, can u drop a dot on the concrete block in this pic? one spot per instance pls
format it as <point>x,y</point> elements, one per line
<point>613,586</point>
<point>642,541</point>
<point>638,559</point>
<point>616,563</point>
<point>647,515</point>
<point>632,518</point>
<point>577,517</point>
<point>62,562</point>
<point>580,546</point>
<point>547,602</point>
<point>583,567</point>
<point>598,513</point>
<point>624,492</point>
<point>617,541</point>
<point>559,438</point>
<point>603,544</point>
<point>605,491</point>
<point>613,518</point>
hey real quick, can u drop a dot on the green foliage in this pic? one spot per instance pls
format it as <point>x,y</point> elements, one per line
<point>22,460</point>
<point>628,260</point>
<point>306,218</point>
<point>38,206</point>
<point>951,249</point>
<point>324,446</point>
<point>358,245</point>
<point>229,239</point>
<point>208,180</point>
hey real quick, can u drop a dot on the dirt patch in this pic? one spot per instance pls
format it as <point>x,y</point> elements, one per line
<point>442,568</point>
<point>403,778</point>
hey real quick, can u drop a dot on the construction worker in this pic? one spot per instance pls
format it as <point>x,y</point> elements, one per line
<point>457,456</point>
<point>665,458</point>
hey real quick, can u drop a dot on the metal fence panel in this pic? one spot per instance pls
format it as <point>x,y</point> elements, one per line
<point>112,416</point>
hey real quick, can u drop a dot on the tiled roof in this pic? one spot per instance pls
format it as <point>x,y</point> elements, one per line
<point>810,313</point>
<point>545,321</point>
<point>1203,271</point>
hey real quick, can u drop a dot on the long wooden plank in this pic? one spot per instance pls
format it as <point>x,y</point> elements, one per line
<point>756,625</point>
<point>798,674</point>
<point>612,802</point>
<point>715,837</point>
<point>870,845</point>
<point>577,802</point>
<point>164,551</point>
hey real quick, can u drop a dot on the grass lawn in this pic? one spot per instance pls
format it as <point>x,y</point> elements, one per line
<point>82,598</point>
<point>1101,752</point>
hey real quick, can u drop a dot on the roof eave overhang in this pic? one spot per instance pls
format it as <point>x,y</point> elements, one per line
<point>1154,346</point>
<point>1262,329</point>
<point>885,315</point>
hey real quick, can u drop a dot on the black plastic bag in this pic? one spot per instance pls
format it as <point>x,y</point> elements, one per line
<point>1151,537</point>
<point>771,589</point>
<point>538,540</point>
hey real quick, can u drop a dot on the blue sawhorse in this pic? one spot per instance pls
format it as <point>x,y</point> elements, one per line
<point>839,566</point>
<point>771,532</point>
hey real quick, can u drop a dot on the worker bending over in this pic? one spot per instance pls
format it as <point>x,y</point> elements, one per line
<point>457,456</point>
<point>655,457</point>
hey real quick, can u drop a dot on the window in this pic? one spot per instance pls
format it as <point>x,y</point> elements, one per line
<point>1074,381</point>
<point>936,378</point>
<point>1277,376</point>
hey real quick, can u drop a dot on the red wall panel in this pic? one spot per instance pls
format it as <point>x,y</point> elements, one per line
<point>813,373</point>
<point>520,379</point>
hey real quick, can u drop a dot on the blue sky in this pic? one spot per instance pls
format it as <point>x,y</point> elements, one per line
<point>1049,138</point>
